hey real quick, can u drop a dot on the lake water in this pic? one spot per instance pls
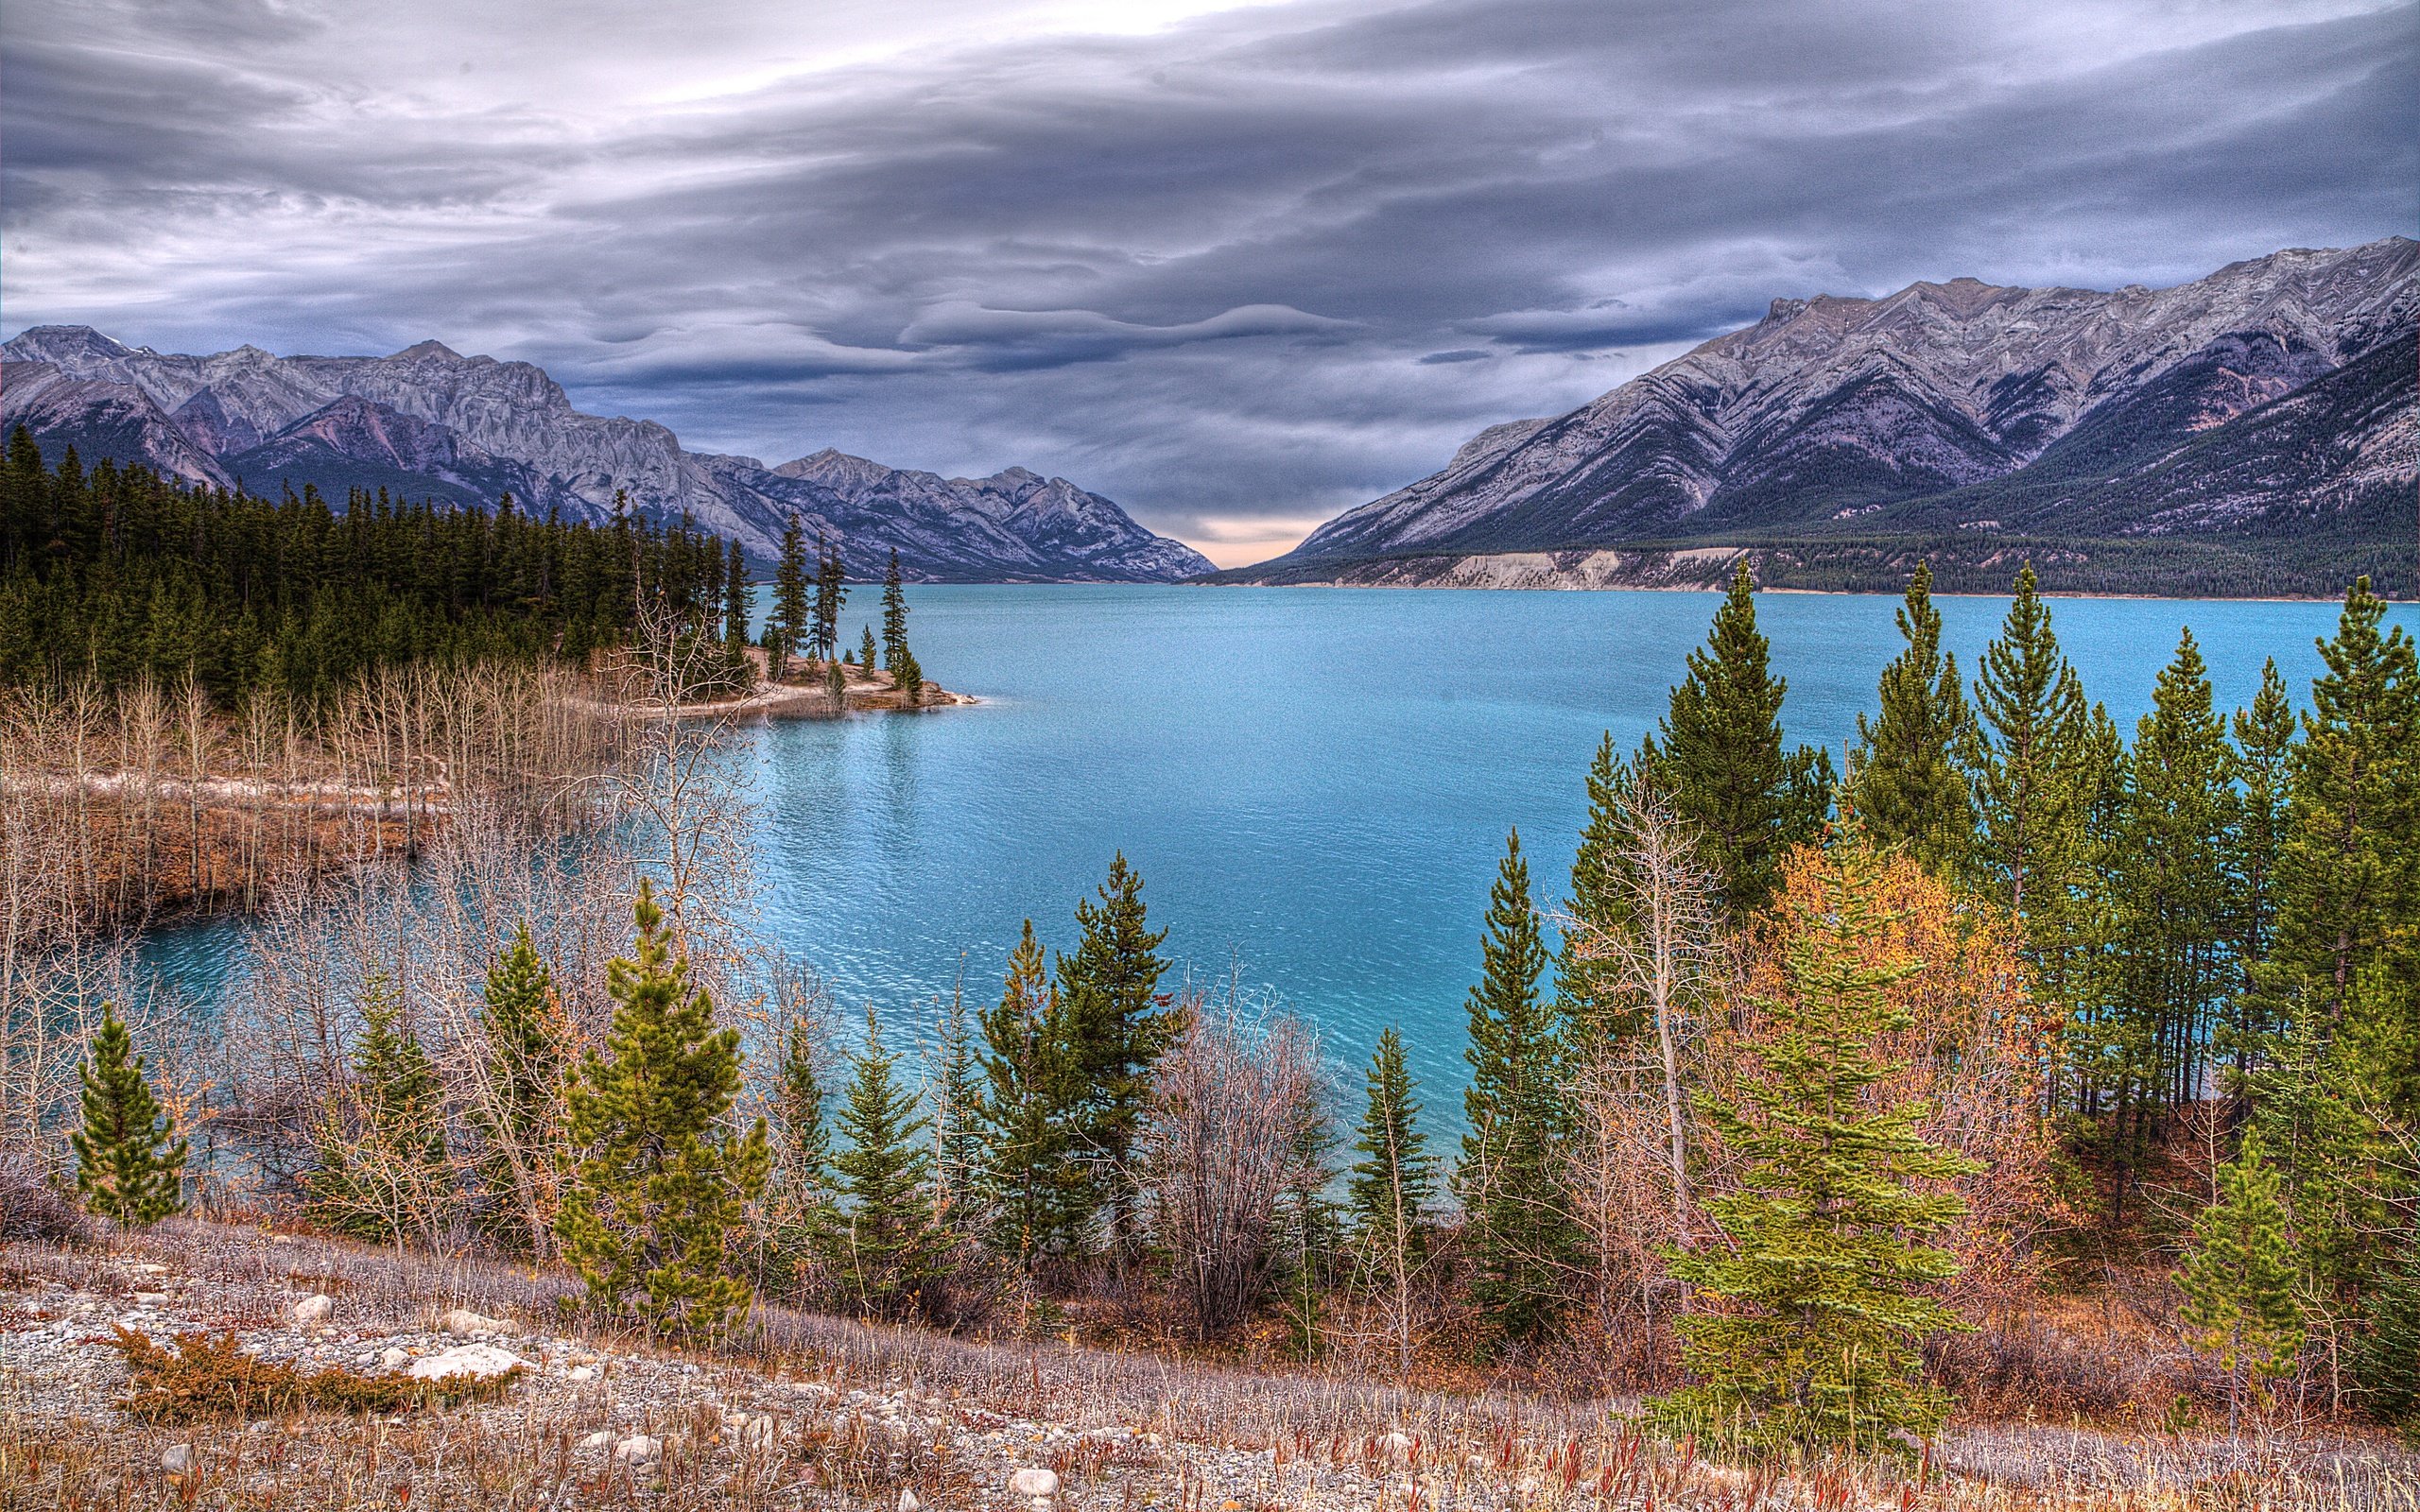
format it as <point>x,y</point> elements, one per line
<point>1315,784</point>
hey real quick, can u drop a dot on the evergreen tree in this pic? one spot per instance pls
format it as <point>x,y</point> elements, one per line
<point>1519,1226</point>
<point>657,1201</point>
<point>2031,709</point>
<point>830,594</point>
<point>1393,1184</point>
<point>957,1121</point>
<point>1904,774</point>
<point>1588,988</point>
<point>2387,1363</point>
<point>1115,1031</point>
<point>2264,748</point>
<point>126,1169</point>
<point>866,651</point>
<point>1824,1268</point>
<point>792,610</point>
<point>2238,1280</point>
<point>735,603</point>
<point>1718,758</point>
<point>885,1242</point>
<point>1028,1176</point>
<point>894,615</point>
<point>836,685</point>
<point>521,1026</point>
<point>908,676</point>
<point>2349,873</point>
<point>383,1173</point>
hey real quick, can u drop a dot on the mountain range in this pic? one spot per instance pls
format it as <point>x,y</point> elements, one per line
<point>2253,431</point>
<point>430,424</point>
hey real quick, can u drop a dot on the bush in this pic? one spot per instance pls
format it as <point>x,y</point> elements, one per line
<point>207,1376</point>
<point>30,1207</point>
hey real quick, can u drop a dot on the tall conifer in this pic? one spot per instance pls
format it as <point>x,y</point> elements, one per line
<point>2239,1280</point>
<point>1826,1269</point>
<point>1588,998</point>
<point>1027,1174</point>
<point>1520,1230</point>
<point>1718,757</point>
<point>792,609</point>
<point>1115,1030</point>
<point>126,1169</point>
<point>887,1238</point>
<point>1904,774</point>
<point>1393,1183</point>
<point>655,1211</point>
<point>895,614</point>
<point>2030,711</point>
<point>521,1026</point>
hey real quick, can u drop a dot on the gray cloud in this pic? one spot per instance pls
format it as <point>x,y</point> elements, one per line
<point>1223,263</point>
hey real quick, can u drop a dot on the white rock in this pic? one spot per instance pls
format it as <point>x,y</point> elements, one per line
<point>152,1299</point>
<point>313,1309</point>
<point>461,1320</point>
<point>811,1388</point>
<point>1041,1485</point>
<point>176,1459</point>
<point>152,1270</point>
<point>750,1432</point>
<point>478,1361</point>
<point>908,1501</point>
<point>639,1449</point>
<point>581,1372</point>
<point>1395,1446</point>
<point>597,1440</point>
<point>394,1357</point>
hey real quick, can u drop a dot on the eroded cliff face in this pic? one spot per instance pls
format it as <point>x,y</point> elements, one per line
<point>2276,393</point>
<point>428,421</point>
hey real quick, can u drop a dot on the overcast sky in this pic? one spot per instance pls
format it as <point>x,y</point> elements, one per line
<point>1237,266</point>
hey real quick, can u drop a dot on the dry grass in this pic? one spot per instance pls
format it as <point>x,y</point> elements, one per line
<point>203,1376</point>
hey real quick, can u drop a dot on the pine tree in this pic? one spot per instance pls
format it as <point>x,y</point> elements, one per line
<point>735,603</point>
<point>383,1171</point>
<point>830,594</point>
<point>957,1121</point>
<point>2348,872</point>
<point>656,1205</point>
<point>1028,1176</point>
<point>2239,1280</point>
<point>1824,1271</point>
<point>126,1169</point>
<point>1587,993</point>
<point>2030,711</point>
<point>1115,1031</point>
<point>791,609</point>
<point>866,651</point>
<point>520,1022</point>
<point>2264,748</point>
<point>884,1241</point>
<point>2174,902</point>
<point>908,676</point>
<point>1719,757</point>
<point>1395,1182</point>
<point>1519,1227</point>
<point>804,1162</point>
<point>836,685</point>
<point>1904,774</point>
<point>894,615</point>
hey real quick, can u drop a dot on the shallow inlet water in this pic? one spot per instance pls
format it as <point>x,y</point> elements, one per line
<point>1315,782</point>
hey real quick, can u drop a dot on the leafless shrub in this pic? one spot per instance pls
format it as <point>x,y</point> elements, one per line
<point>1223,1145</point>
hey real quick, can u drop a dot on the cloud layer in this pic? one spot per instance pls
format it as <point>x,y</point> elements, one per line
<point>1237,267</point>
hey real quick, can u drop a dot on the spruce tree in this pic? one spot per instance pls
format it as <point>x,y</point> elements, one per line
<point>1587,985</point>
<point>1028,1178</point>
<point>2239,1280</point>
<point>2349,873</point>
<point>1824,1271</point>
<point>126,1169</point>
<point>2030,711</point>
<point>957,1121</point>
<point>791,608</point>
<point>830,594</point>
<point>866,651</point>
<point>521,1027</point>
<point>383,1171</point>
<point>2264,748</point>
<point>908,676</point>
<point>894,615</point>
<point>1904,774</point>
<point>656,1208</point>
<point>836,685</point>
<point>1519,1227</point>
<point>886,1242</point>
<point>735,603</point>
<point>1115,1030</point>
<point>1718,757</point>
<point>1393,1184</point>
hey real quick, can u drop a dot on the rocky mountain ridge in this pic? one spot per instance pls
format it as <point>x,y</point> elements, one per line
<point>429,422</point>
<point>2274,399</point>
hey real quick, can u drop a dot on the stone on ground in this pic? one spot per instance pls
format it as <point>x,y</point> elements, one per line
<point>476,1360</point>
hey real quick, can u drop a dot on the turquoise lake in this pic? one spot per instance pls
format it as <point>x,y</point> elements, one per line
<point>1315,782</point>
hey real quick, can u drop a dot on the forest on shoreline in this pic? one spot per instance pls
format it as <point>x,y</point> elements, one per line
<point>2115,1034</point>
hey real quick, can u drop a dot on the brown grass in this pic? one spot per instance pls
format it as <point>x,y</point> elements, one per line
<point>205,1376</point>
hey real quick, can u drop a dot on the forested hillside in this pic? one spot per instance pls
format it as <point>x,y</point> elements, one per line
<point>116,572</point>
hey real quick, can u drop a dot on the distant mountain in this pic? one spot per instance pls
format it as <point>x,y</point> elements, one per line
<point>2253,431</point>
<point>428,422</point>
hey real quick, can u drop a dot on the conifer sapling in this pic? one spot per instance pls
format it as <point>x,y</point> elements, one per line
<point>126,1169</point>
